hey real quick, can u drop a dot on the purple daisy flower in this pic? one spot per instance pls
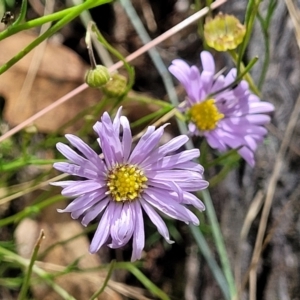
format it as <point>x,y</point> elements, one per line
<point>122,182</point>
<point>233,118</point>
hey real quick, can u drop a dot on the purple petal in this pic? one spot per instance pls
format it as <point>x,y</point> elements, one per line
<point>248,156</point>
<point>194,89</point>
<point>170,162</point>
<point>181,70</point>
<point>258,119</point>
<point>169,147</point>
<point>207,61</point>
<point>157,221</point>
<point>191,166</point>
<point>95,211</point>
<point>242,129</point>
<point>260,107</point>
<point>138,241</point>
<point>110,140</point>
<point>103,230</point>
<point>214,139</point>
<point>84,200</point>
<point>127,138</point>
<point>74,157</point>
<point>146,145</point>
<point>207,79</point>
<point>191,181</point>
<point>161,201</point>
<point>76,170</point>
<point>230,77</point>
<point>81,187</point>
<point>87,151</point>
<point>191,199</point>
<point>116,122</point>
<point>251,142</point>
<point>218,84</point>
<point>63,184</point>
<point>123,225</point>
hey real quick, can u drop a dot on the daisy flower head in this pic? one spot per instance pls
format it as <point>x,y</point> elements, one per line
<point>123,182</point>
<point>230,119</point>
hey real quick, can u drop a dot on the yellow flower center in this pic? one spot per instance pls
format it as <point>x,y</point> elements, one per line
<point>126,182</point>
<point>205,115</point>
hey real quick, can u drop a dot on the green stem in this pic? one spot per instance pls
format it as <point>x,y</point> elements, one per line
<point>221,175</point>
<point>151,116</point>
<point>252,9</point>
<point>22,14</point>
<point>265,23</point>
<point>219,241</point>
<point>25,285</point>
<point>143,279</point>
<point>100,291</point>
<point>215,269</point>
<point>244,72</point>
<point>134,96</point>
<point>63,21</point>
<point>221,158</point>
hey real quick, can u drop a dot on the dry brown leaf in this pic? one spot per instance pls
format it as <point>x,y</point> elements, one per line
<point>60,71</point>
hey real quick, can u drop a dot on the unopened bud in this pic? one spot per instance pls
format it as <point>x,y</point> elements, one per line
<point>116,87</point>
<point>224,32</point>
<point>97,77</point>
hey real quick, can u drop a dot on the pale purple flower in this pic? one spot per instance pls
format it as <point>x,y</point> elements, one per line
<point>233,118</point>
<point>121,182</point>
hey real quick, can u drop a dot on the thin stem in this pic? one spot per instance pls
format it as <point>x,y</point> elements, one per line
<point>22,14</point>
<point>245,71</point>
<point>143,279</point>
<point>265,23</point>
<point>206,252</point>
<point>251,12</point>
<point>219,241</point>
<point>135,96</point>
<point>100,291</point>
<point>25,286</point>
<point>222,157</point>
<point>238,79</point>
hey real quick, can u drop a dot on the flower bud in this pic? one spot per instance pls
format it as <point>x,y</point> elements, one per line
<point>97,77</point>
<point>116,87</point>
<point>224,32</point>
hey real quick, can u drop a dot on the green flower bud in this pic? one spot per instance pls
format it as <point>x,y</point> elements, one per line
<point>98,77</point>
<point>116,87</point>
